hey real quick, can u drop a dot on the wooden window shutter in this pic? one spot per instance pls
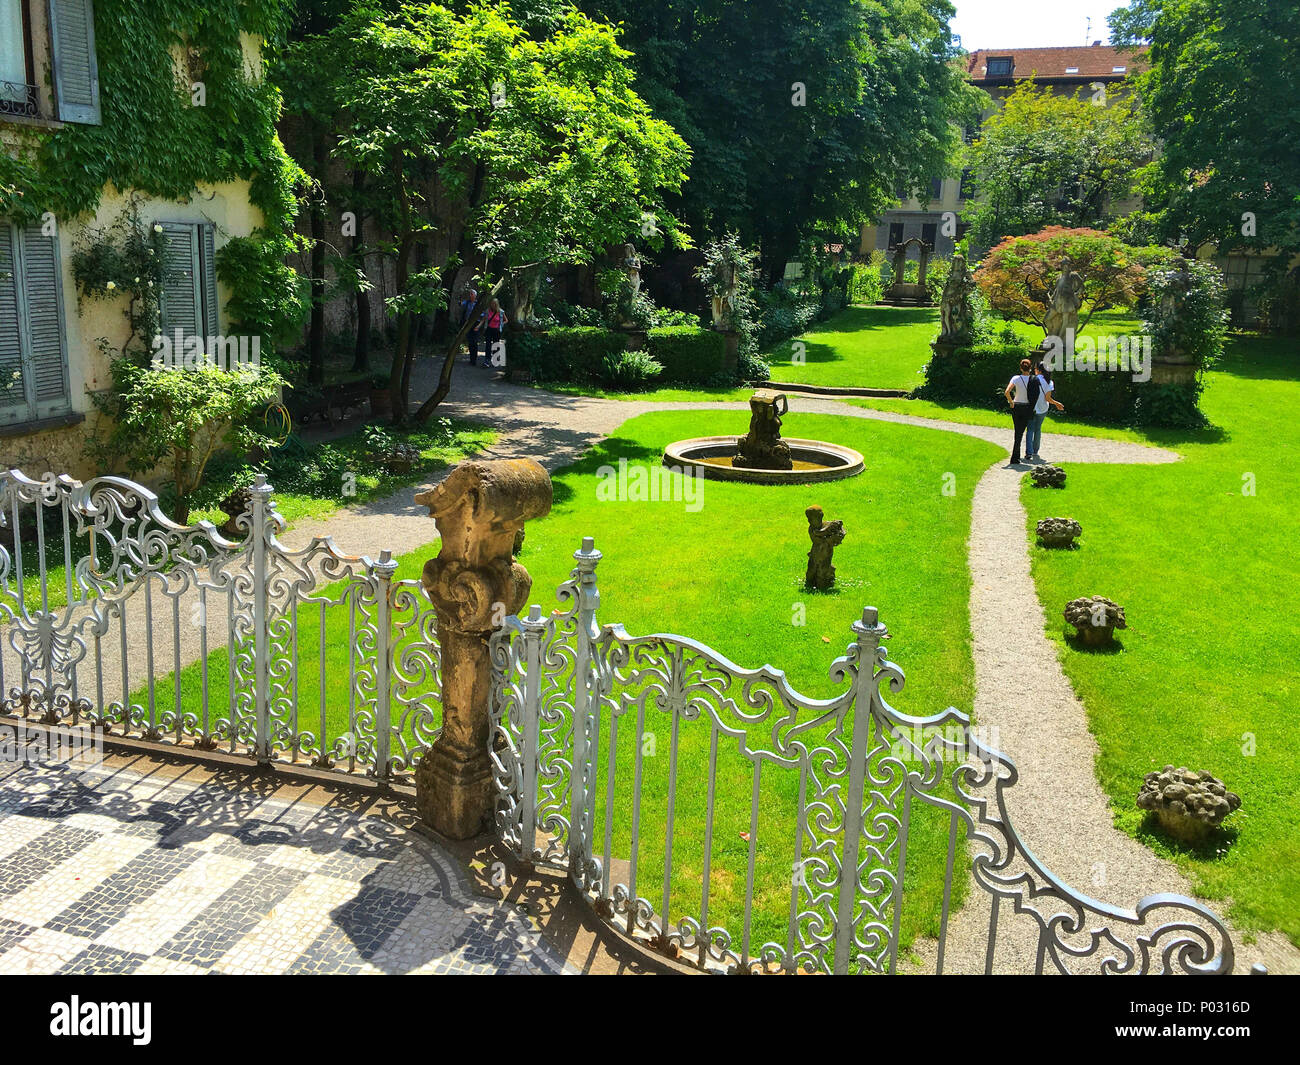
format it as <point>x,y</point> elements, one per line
<point>33,349</point>
<point>76,72</point>
<point>13,396</point>
<point>182,299</point>
<point>207,233</point>
<point>43,284</point>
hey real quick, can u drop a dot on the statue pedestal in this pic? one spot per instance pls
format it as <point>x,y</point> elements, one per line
<point>1164,372</point>
<point>731,357</point>
<point>945,347</point>
<point>637,339</point>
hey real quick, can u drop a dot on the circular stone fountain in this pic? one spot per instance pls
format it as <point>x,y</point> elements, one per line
<point>761,456</point>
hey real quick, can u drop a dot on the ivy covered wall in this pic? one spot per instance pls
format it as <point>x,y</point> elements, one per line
<point>154,140</point>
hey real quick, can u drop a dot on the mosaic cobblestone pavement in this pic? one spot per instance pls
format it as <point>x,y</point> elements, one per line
<point>190,870</point>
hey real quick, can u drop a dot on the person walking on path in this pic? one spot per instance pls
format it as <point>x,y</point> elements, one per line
<point>468,307</point>
<point>492,326</point>
<point>1046,397</point>
<point>1022,403</point>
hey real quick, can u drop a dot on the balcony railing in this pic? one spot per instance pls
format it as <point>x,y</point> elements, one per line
<point>18,99</point>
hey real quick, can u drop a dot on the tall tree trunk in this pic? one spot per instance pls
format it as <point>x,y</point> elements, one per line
<point>316,335</point>
<point>361,353</point>
<point>398,374</point>
<point>449,360</point>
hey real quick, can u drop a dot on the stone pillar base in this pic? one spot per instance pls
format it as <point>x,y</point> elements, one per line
<point>1173,373</point>
<point>453,792</point>
<point>731,357</point>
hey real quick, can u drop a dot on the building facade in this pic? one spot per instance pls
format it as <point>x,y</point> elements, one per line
<point>55,344</point>
<point>934,216</point>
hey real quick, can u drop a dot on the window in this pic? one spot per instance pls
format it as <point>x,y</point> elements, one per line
<point>928,232</point>
<point>76,72</point>
<point>967,187</point>
<point>936,188</point>
<point>1072,70</point>
<point>189,293</point>
<point>895,234</point>
<point>1001,67</point>
<point>17,81</point>
<point>33,358</point>
<point>1118,70</point>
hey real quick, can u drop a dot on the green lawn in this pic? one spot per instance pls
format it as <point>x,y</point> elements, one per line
<point>730,575</point>
<point>861,347</point>
<point>1001,419</point>
<point>1211,587</point>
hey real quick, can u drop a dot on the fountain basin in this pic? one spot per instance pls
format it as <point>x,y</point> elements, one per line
<point>814,461</point>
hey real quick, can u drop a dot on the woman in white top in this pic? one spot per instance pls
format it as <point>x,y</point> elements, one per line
<point>1022,407</point>
<point>1034,434</point>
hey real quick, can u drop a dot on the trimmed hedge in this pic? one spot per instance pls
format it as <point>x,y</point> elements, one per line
<point>688,354</point>
<point>571,354</point>
<point>979,375</point>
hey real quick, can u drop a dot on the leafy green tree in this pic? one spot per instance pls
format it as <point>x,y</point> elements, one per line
<point>1223,97</point>
<point>512,150</point>
<point>1043,159</point>
<point>803,116</point>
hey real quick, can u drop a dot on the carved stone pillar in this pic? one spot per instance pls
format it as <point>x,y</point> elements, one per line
<point>473,583</point>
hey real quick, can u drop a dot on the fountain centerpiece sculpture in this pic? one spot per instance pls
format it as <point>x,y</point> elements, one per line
<point>761,456</point>
<point>762,447</point>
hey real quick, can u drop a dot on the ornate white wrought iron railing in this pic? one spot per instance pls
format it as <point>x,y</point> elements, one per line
<point>680,850</point>
<point>116,617</point>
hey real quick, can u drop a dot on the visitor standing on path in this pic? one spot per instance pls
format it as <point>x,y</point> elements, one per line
<point>492,330</point>
<point>1034,434</point>
<point>1022,403</point>
<point>467,308</point>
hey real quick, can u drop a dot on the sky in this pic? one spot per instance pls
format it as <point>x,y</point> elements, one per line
<point>1023,23</point>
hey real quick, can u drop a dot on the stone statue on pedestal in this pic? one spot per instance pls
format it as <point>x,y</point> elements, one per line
<point>1063,307</point>
<point>474,581</point>
<point>956,315</point>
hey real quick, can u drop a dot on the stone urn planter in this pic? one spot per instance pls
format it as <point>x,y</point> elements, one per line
<point>234,505</point>
<point>401,458</point>
<point>1047,477</point>
<point>1059,532</point>
<point>1095,618</point>
<point>1189,804</point>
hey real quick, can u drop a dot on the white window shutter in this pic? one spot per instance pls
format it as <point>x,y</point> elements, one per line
<point>13,395</point>
<point>182,298</point>
<point>76,72</point>
<point>33,347</point>
<point>42,284</point>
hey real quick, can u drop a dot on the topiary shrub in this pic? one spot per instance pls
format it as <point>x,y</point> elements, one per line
<point>979,374</point>
<point>574,354</point>
<point>687,354</point>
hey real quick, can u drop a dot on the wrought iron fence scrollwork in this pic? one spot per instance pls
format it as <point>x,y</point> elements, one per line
<point>564,687</point>
<point>110,609</point>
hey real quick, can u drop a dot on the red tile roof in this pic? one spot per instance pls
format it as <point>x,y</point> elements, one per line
<point>1096,61</point>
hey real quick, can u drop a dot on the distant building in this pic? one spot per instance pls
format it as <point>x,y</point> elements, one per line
<point>997,71</point>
